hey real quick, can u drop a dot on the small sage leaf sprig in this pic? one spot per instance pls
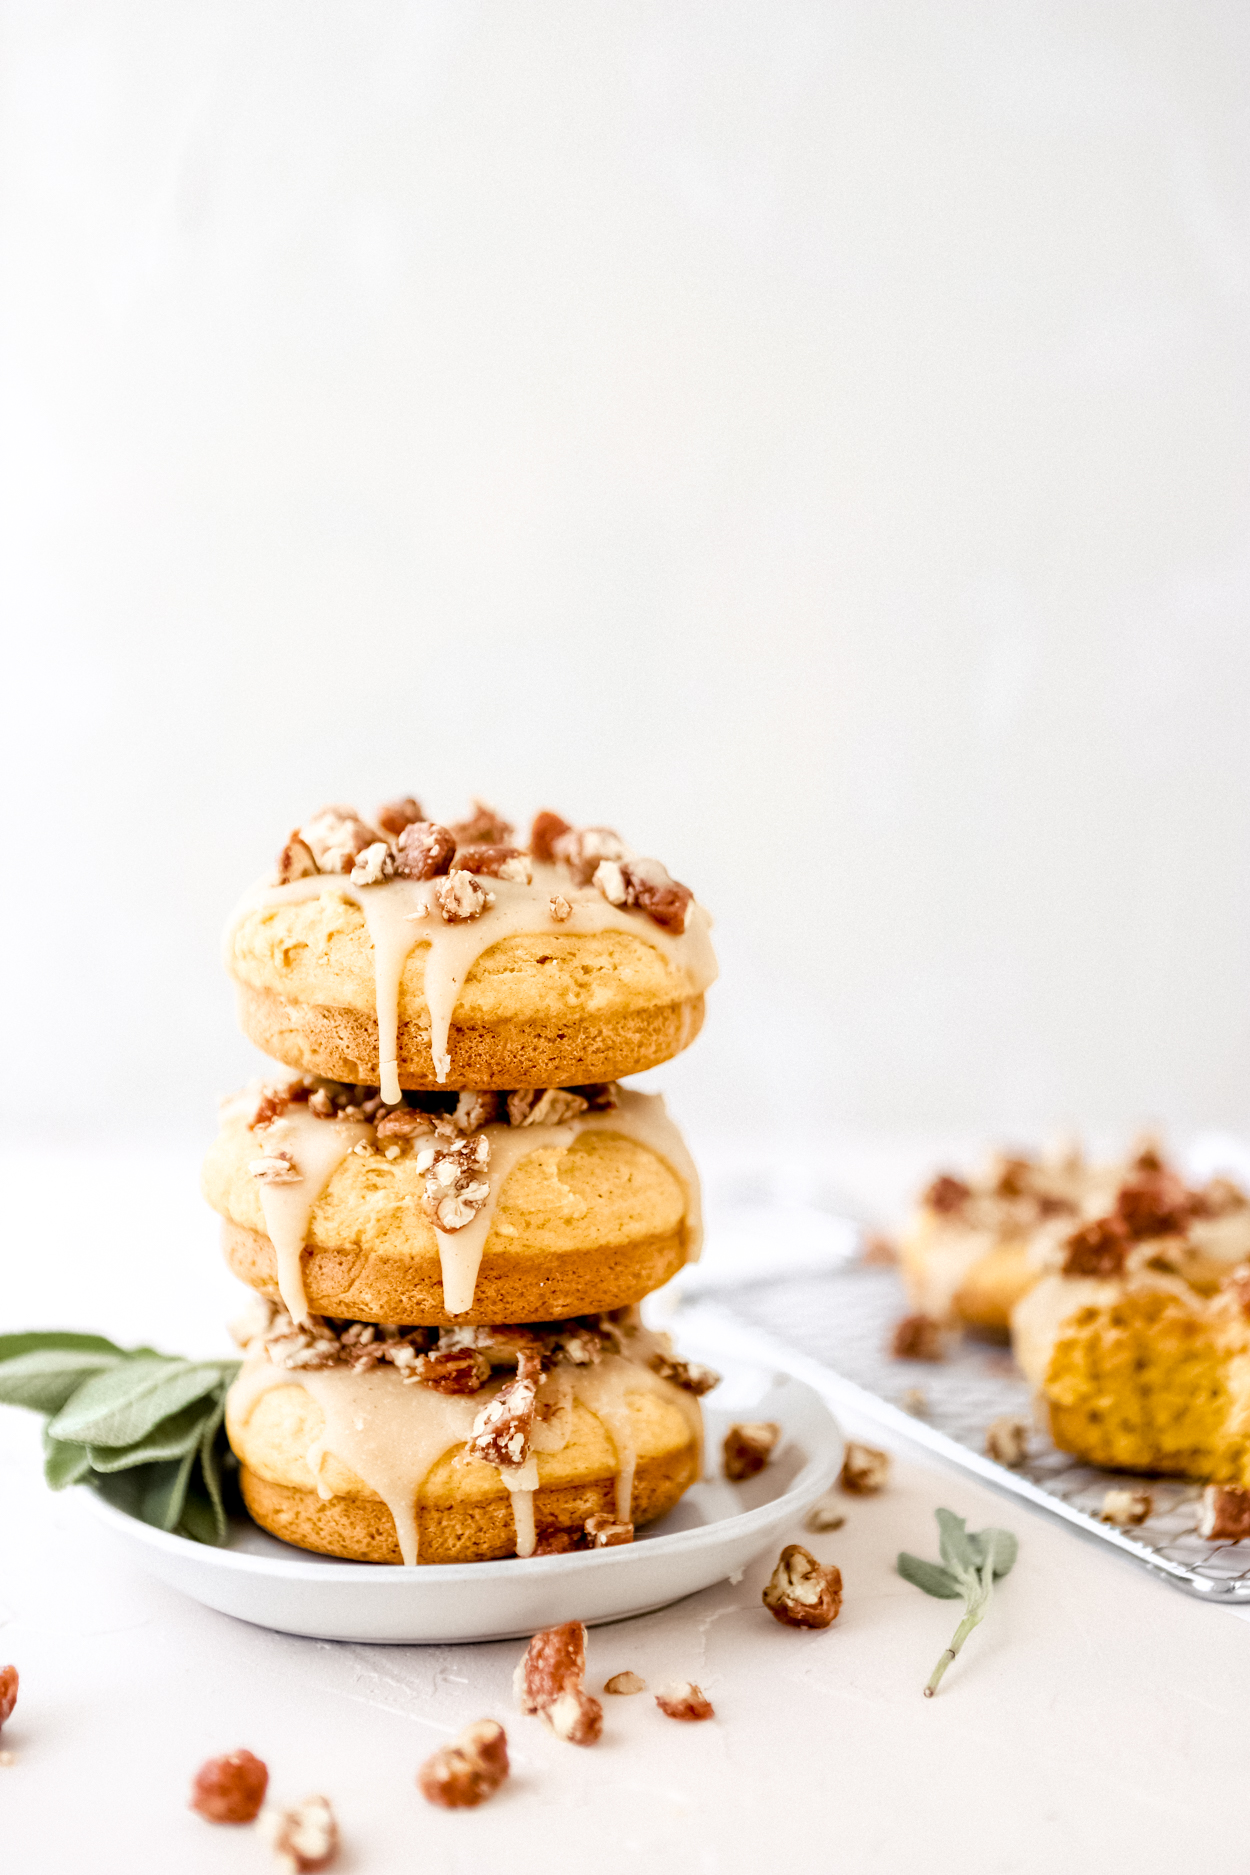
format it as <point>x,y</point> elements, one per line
<point>972,1560</point>
<point>144,1429</point>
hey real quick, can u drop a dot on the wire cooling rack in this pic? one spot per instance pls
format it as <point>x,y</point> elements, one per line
<point>841,1320</point>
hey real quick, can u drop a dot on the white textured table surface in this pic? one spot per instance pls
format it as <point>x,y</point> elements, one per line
<point>1096,1721</point>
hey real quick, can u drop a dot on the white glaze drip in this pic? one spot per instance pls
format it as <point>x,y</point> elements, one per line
<point>402,913</point>
<point>318,1148</point>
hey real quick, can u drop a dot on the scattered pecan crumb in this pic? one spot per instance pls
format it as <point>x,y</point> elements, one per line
<point>460,898</point>
<point>559,1542</point>
<point>470,1769</point>
<point>230,1789</point>
<point>878,1250</point>
<point>544,1106</point>
<point>824,1515</point>
<point>495,862</point>
<point>915,1402</point>
<point>690,1376</point>
<point>864,1471</point>
<point>1098,1249</point>
<point>608,1532</point>
<point>275,1168</point>
<point>559,908</point>
<point>7,1758</point>
<point>547,828</point>
<point>485,827</point>
<point>394,816</point>
<point>373,865</point>
<point>304,1837</point>
<point>748,1447</point>
<point>1126,1507</point>
<point>9,1678</point>
<point>1007,1440</point>
<point>456,1184</point>
<point>802,1593</point>
<point>1225,1513</point>
<point>626,1682</point>
<point>295,861</point>
<point>947,1195</point>
<point>550,1681</point>
<point>682,1699</point>
<point>424,850</point>
<point>917,1338</point>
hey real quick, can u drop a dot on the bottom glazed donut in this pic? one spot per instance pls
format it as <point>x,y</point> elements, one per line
<point>439,1456</point>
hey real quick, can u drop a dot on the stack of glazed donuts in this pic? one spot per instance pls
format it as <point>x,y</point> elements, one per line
<point>448,1208</point>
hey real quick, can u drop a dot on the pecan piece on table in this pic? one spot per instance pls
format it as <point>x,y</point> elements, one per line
<point>1007,1440</point>
<point>304,1837</point>
<point>230,1789</point>
<point>864,1469</point>
<point>550,1681</point>
<point>917,1338</point>
<point>9,1678</point>
<point>802,1593</point>
<point>1225,1513</point>
<point>470,1769</point>
<point>682,1699</point>
<point>1125,1507</point>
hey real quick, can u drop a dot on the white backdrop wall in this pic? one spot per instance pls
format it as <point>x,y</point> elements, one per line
<point>812,437</point>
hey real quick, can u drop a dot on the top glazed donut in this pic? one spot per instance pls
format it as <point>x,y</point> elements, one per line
<point>406,953</point>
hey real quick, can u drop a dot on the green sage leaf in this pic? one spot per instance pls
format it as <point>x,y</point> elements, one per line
<point>163,1490</point>
<point>174,1436</point>
<point>39,1340</point>
<point>64,1464</point>
<point>199,1520</point>
<point>45,1380</point>
<point>1000,1548</point>
<point>929,1576</point>
<point>955,1546</point>
<point>123,1405</point>
<point>210,1470</point>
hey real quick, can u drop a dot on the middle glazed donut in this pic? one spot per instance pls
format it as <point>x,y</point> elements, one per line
<point>576,1217</point>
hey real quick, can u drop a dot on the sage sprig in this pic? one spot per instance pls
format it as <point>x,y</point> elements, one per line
<point>143,1429</point>
<point>972,1561</point>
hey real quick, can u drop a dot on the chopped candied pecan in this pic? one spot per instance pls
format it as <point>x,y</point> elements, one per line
<point>682,1699</point>
<point>608,1532</point>
<point>547,828</point>
<point>337,836</point>
<point>560,909</point>
<point>1156,1204</point>
<point>825,1514</point>
<point>691,1376</point>
<point>295,861</point>
<point>560,1542</point>
<point>452,1370</point>
<point>1147,1154</point>
<point>394,816</point>
<point>625,1683</point>
<point>456,1185</point>
<point>748,1447</point>
<point>494,862</point>
<point>651,888</point>
<point>460,898</point>
<point>374,865</point>
<point>424,850</point>
<point>9,1678</point>
<point>864,1469</point>
<point>404,1123</point>
<point>230,1789</point>
<point>485,827</point>
<point>582,850</point>
<point>544,1106</point>
<point>1125,1508</point>
<point>917,1338</point>
<point>274,1099</point>
<point>1013,1176</point>
<point>550,1682</point>
<point>946,1195</point>
<point>502,1430</point>
<point>321,1106</point>
<point>305,1837</point>
<point>802,1593</point>
<point>476,1110</point>
<point>275,1168</point>
<point>580,1345</point>
<point>600,1096</point>
<point>1007,1440</point>
<point>1225,1513</point>
<point>470,1769</point>
<point>1097,1249</point>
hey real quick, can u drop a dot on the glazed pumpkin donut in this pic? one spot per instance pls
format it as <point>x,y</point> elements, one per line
<point>572,1216</point>
<point>370,1466</point>
<point>570,963</point>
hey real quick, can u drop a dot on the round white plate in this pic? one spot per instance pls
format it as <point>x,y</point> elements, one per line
<point>716,1530</point>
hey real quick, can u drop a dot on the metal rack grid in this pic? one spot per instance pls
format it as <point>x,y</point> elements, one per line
<point>842,1320</point>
